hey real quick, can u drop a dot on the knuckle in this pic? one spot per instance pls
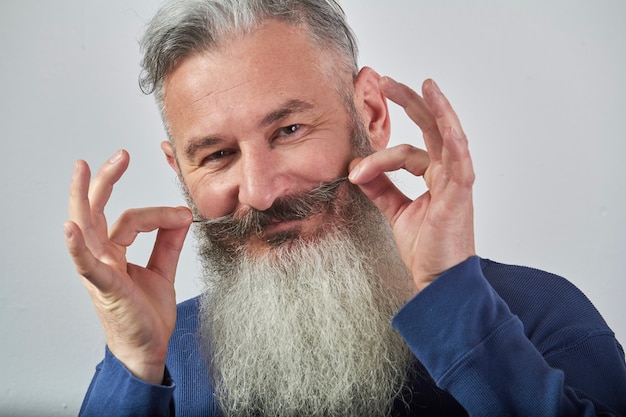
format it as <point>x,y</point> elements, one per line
<point>128,216</point>
<point>411,152</point>
<point>405,147</point>
<point>84,268</point>
<point>430,127</point>
<point>407,150</point>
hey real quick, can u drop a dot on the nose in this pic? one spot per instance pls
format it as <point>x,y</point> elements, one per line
<point>261,179</point>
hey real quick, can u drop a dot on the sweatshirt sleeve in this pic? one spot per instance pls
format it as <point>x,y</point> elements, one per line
<point>475,348</point>
<point>114,391</point>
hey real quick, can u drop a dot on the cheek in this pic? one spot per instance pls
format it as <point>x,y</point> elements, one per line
<point>289,170</point>
<point>326,161</point>
<point>212,199</point>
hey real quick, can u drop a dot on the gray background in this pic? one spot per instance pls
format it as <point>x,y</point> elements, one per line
<point>539,87</point>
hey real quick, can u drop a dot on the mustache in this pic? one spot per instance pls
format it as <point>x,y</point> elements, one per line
<point>245,223</point>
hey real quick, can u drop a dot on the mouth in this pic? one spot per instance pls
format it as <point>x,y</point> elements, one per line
<point>288,218</point>
<point>279,225</point>
<point>278,232</point>
<point>281,231</point>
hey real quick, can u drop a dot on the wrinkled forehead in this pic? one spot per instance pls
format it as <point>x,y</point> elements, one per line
<point>273,56</point>
<point>250,76</point>
<point>272,34</point>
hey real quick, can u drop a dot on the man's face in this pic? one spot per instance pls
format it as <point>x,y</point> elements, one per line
<point>255,120</point>
<point>257,124</point>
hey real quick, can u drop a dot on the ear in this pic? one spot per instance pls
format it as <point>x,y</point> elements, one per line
<point>168,150</point>
<point>371,103</point>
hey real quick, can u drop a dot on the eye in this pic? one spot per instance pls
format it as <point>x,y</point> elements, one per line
<point>217,157</point>
<point>287,130</point>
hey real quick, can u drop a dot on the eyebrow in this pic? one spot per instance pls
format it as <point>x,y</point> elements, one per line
<point>196,144</point>
<point>288,108</point>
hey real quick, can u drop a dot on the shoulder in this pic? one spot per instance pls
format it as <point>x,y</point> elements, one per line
<point>549,306</point>
<point>530,290</point>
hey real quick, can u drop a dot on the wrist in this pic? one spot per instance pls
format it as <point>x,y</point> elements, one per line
<point>150,371</point>
<point>150,374</point>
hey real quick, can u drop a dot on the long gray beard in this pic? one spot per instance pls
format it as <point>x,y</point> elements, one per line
<point>304,330</point>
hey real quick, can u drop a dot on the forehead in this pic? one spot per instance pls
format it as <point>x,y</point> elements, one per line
<point>253,72</point>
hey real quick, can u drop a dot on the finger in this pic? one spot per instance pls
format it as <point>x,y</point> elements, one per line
<point>385,196</point>
<point>456,157</point>
<point>101,187</point>
<point>86,264</point>
<point>369,174</point>
<point>80,206</point>
<point>135,221</point>
<point>416,108</point>
<point>166,252</point>
<point>407,157</point>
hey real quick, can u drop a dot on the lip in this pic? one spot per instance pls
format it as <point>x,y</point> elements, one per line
<point>307,225</point>
<point>277,226</point>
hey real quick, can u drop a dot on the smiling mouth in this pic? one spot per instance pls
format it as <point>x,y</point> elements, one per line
<point>289,218</point>
<point>281,231</point>
<point>278,232</point>
<point>280,224</point>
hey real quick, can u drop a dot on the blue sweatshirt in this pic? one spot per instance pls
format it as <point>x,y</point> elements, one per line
<point>490,339</point>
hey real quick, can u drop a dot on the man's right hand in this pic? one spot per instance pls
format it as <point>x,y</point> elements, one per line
<point>136,305</point>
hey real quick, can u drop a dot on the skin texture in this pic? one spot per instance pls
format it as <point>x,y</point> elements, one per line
<point>266,123</point>
<point>257,131</point>
<point>434,232</point>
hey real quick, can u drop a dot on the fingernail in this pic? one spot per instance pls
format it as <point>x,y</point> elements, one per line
<point>388,84</point>
<point>436,87</point>
<point>354,174</point>
<point>389,80</point>
<point>183,213</point>
<point>75,170</point>
<point>455,133</point>
<point>116,157</point>
<point>67,231</point>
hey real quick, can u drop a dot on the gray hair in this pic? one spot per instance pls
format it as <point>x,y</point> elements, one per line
<point>183,27</point>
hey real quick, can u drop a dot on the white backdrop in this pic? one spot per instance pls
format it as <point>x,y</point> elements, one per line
<point>540,89</point>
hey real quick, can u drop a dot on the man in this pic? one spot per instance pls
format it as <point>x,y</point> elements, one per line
<point>310,252</point>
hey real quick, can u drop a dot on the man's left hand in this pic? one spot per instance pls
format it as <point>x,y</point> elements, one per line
<point>435,231</point>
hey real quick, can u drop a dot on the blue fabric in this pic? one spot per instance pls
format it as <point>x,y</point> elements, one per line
<point>491,340</point>
<point>114,391</point>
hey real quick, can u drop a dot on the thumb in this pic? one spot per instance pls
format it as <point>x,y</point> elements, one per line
<point>166,252</point>
<point>379,189</point>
